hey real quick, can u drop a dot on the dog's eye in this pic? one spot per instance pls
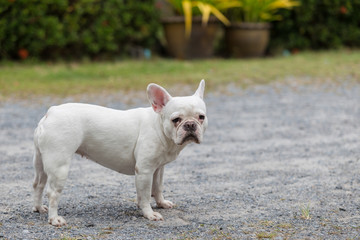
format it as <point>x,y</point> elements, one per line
<point>201,117</point>
<point>176,120</point>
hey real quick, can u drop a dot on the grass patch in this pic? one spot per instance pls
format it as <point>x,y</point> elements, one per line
<point>65,79</point>
<point>284,225</point>
<point>305,212</point>
<point>267,223</point>
<point>265,235</point>
<point>220,233</point>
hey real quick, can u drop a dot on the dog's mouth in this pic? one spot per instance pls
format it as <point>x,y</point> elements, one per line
<point>190,138</point>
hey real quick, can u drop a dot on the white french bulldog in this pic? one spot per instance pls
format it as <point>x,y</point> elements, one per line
<point>135,142</point>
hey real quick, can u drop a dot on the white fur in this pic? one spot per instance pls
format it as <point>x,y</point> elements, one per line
<point>135,142</point>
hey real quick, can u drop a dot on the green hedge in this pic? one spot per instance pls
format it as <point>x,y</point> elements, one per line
<point>75,28</point>
<point>318,24</point>
<point>50,29</point>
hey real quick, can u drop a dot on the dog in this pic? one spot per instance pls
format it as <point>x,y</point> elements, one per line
<point>136,142</point>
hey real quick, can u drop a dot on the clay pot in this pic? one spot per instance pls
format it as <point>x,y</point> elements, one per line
<point>244,40</point>
<point>199,45</point>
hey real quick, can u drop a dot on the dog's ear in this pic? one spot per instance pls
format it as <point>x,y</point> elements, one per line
<point>158,96</point>
<point>200,91</point>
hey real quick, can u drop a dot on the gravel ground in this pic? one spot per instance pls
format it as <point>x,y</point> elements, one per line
<point>278,161</point>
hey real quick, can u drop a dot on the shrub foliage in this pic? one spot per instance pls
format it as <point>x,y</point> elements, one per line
<point>50,29</point>
<point>75,28</point>
<point>319,24</point>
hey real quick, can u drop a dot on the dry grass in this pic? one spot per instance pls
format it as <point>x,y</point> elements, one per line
<point>305,212</point>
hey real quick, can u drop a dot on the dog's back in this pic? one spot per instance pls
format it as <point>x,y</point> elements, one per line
<point>100,134</point>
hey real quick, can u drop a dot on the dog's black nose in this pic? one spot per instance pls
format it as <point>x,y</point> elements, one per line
<point>189,126</point>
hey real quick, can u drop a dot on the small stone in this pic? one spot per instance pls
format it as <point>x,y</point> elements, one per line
<point>26,231</point>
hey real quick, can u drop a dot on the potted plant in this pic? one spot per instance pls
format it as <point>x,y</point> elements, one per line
<point>191,33</point>
<point>248,35</point>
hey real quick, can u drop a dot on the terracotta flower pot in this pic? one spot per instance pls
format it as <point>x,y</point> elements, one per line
<point>199,45</point>
<point>245,40</point>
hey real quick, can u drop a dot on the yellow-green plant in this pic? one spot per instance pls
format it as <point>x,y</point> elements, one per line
<point>305,212</point>
<point>204,7</point>
<point>261,10</point>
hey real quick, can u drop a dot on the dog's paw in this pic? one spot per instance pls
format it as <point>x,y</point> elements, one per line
<point>165,204</point>
<point>40,209</point>
<point>154,216</point>
<point>57,221</point>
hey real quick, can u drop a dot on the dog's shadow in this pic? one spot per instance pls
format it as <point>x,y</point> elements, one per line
<point>100,209</point>
<point>109,211</point>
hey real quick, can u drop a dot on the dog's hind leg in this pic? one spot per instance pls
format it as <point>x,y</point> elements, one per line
<point>57,168</point>
<point>39,183</point>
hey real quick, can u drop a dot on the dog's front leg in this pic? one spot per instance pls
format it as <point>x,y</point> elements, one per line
<point>157,189</point>
<point>143,182</point>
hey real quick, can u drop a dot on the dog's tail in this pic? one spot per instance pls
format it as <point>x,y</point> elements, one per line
<point>40,175</point>
<point>39,131</point>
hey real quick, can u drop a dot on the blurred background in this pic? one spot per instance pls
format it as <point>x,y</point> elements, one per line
<point>117,29</point>
<point>69,47</point>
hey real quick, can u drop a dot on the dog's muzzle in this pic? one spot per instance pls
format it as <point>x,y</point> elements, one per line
<point>191,132</point>
<point>190,126</point>
<point>190,138</point>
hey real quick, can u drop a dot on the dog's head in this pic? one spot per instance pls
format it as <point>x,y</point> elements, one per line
<point>183,118</point>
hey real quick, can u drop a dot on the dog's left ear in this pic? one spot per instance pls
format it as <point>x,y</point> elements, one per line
<point>158,97</point>
<point>200,91</point>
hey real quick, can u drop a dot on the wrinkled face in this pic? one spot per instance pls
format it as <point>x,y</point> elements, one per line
<point>184,119</point>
